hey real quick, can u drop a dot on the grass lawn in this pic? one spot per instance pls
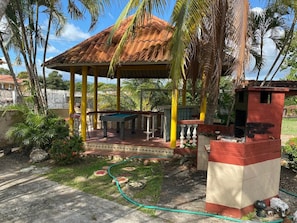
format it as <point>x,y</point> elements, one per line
<point>81,176</point>
<point>289,126</point>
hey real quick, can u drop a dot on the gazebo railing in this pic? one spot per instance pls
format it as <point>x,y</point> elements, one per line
<point>190,129</point>
<point>188,133</point>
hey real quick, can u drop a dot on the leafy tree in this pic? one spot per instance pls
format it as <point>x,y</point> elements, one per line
<point>291,59</point>
<point>150,89</point>
<point>55,81</point>
<point>292,76</point>
<point>4,71</point>
<point>291,7</point>
<point>26,34</point>
<point>23,75</point>
<point>266,24</point>
<point>107,96</point>
<point>78,87</point>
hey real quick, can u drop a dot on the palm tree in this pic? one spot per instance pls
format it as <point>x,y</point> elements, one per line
<point>144,93</point>
<point>263,25</point>
<point>200,28</point>
<point>24,22</point>
<point>3,5</point>
<point>291,6</point>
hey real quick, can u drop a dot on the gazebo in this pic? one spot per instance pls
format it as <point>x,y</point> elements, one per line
<point>146,54</point>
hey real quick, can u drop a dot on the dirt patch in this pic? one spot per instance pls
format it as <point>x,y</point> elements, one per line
<point>288,180</point>
<point>13,161</point>
<point>185,188</point>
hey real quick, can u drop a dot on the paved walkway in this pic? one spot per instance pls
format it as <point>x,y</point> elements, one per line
<point>27,197</point>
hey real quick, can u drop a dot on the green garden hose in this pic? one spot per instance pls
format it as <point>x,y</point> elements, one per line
<point>200,213</point>
<point>288,192</point>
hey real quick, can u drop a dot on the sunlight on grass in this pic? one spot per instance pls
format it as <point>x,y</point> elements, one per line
<point>81,176</point>
<point>289,126</point>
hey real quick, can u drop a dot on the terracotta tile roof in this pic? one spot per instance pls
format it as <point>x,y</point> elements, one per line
<point>149,46</point>
<point>7,79</point>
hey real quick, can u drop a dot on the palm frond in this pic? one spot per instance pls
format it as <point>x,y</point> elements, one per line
<point>239,37</point>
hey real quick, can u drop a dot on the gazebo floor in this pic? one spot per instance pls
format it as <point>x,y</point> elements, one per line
<point>133,144</point>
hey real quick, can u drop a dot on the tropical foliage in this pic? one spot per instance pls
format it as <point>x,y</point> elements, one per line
<point>37,130</point>
<point>291,150</point>
<point>25,35</point>
<point>268,24</point>
<point>3,4</point>
<point>199,38</point>
<point>209,40</point>
<point>67,150</point>
<point>55,81</point>
<point>291,7</point>
<point>147,94</point>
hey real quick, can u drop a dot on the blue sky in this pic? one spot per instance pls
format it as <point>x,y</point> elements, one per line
<point>76,31</point>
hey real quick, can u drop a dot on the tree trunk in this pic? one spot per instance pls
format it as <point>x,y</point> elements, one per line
<point>9,64</point>
<point>3,4</point>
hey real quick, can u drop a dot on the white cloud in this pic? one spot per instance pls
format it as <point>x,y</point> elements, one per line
<point>4,65</point>
<point>270,52</point>
<point>71,32</point>
<point>5,30</point>
<point>257,11</point>
<point>52,49</point>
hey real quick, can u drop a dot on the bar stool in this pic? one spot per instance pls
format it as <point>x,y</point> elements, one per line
<point>150,125</point>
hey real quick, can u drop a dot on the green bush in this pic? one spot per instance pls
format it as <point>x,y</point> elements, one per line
<point>37,130</point>
<point>290,149</point>
<point>68,150</point>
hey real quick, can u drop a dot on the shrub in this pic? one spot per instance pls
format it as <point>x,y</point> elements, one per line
<point>290,149</point>
<point>67,151</point>
<point>37,130</point>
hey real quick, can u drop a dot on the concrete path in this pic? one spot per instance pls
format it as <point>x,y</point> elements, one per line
<point>27,197</point>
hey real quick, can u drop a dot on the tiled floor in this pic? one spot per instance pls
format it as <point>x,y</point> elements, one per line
<point>138,138</point>
<point>137,143</point>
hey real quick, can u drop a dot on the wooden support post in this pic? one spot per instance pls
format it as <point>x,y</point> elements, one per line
<point>95,100</point>
<point>118,91</point>
<point>84,103</point>
<point>173,125</point>
<point>71,99</point>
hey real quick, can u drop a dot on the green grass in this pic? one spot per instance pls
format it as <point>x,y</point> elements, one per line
<point>81,176</point>
<point>289,126</point>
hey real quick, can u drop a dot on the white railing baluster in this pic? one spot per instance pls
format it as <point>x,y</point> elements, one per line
<point>194,142</point>
<point>182,136</point>
<point>189,133</point>
<point>191,128</point>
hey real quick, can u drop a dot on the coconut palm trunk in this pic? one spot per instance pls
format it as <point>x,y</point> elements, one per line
<point>3,5</point>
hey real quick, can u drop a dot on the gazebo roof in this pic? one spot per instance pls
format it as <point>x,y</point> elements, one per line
<point>145,55</point>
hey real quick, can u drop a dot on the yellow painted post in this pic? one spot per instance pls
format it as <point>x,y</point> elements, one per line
<point>173,123</point>
<point>184,92</point>
<point>203,99</point>
<point>118,91</point>
<point>84,103</point>
<point>95,101</point>
<point>203,108</point>
<point>71,99</point>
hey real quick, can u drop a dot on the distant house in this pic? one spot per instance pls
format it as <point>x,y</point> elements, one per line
<point>7,83</point>
<point>7,89</point>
